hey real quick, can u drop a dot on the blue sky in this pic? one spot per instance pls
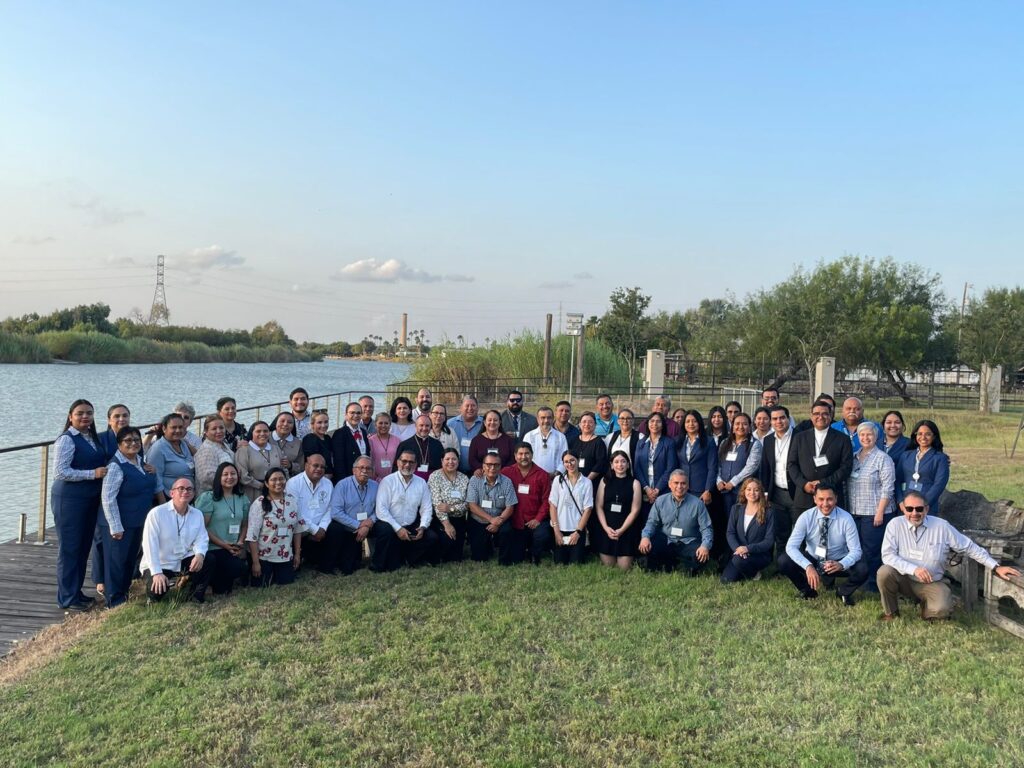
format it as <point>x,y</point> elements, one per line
<point>333,165</point>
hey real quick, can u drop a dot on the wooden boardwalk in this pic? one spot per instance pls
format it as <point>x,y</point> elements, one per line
<point>28,590</point>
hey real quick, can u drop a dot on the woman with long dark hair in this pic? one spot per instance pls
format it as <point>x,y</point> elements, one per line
<point>79,469</point>
<point>402,425</point>
<point>225,510</point>
<point>924,466</point>
<point>274,533</point>
<point>618,506</point>
<point>739,457</point>
<point>234,431</point>
<point>698,455</point>
<point>717,424</point>
<point>894,442</point>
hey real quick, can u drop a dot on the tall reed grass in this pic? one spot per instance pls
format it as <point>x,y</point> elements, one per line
<point>514,361</point>
<point>81,347</point>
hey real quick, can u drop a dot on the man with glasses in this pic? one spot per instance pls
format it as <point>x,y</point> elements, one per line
<point>467,425</point>
<point>515,422</point>
<point>547,442</point>
<point>367,404</point>
<point>662,405</point>
<point>824,546</point>
<point>429,451</point>
<point>353,504</point>
<point>914,554</point>
<point>769,397</point>
<point>349,441</point>
<point>402,532</point>
<point>491,499</point>
<point>174,545</point>
<point>819,455</point>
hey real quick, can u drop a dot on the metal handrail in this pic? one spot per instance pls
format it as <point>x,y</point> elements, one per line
<point>44,458</point>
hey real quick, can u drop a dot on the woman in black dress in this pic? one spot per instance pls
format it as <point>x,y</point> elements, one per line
<point>618,507</point>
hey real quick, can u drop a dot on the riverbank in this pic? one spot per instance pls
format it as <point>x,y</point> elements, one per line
<point>79,347</point>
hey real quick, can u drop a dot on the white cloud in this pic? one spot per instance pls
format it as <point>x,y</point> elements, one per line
<point>208,257</point>
<point>391,271</point>
<point>102,214</point>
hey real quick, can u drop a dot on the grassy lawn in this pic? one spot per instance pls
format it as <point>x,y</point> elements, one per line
<point>481,665</point>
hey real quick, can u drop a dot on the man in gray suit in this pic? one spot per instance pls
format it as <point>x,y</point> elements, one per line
<point>515,422</point>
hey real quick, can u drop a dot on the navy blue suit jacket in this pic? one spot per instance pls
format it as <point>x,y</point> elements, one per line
<point>665,461</point>
<point>757,538</point>
<point>702,468</point>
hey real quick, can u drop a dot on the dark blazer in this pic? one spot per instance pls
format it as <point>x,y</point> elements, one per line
<point>702,468</point>
<point>802,469</point>
<point>527,422</point>
<point>768,466</point>
<point>757,538</point>
<point>435,451</point>
<point>665,461</point>
<point>312,444</point>
<point>934,475</point>
<point>347,450</point>
<point>634,440</point>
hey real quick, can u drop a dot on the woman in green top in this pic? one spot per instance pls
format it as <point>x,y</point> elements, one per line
<point>226,510</point>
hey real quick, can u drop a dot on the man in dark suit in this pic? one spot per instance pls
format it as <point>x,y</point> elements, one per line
<point>349,442</point>
<point>515,422</point>
<point>428,450</point>
<point>817,455</point>
<point>778,485</point>
<point>807,423</point>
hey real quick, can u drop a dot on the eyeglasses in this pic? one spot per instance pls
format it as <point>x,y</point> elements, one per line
<point>913,509</point>
<point>515,400</point>
<point>181,489</point>
<point>491,464</point>
<point>406,461</point>
<point>131,441</point>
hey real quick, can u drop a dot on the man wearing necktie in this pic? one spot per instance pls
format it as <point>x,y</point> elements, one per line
<point>823,546</point>
<point>516,422</point>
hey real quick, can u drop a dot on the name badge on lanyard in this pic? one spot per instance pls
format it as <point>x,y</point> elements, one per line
<point>731,456</point>
<point>466,442</point>
<point>523,488</point>
<point>821,461</point>
<point>282,531</point>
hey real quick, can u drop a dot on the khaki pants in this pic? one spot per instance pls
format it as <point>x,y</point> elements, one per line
<point>936,597</point>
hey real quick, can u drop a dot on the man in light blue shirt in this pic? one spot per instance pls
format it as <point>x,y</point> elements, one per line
<point>853,417</point>
<point>352,516</point>
<point>467,425</point>
<point>678,530</point>
<point>914,554</point>
<point>607,421</point>
<point>824,545</point>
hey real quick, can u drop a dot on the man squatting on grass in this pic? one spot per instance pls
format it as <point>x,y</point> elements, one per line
<point>809,469</point>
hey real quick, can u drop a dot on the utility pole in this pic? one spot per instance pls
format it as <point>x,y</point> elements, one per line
<point>547,348</point>
<point>158,312</point>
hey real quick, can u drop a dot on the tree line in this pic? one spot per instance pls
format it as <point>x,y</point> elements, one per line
<point>876,315</point>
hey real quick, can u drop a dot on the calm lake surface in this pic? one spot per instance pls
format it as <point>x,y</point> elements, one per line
<point>36,398</point>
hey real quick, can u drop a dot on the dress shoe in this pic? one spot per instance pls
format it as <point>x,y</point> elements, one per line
<point>808,594</point>
<point>889,617</point>
<point>848,600</point>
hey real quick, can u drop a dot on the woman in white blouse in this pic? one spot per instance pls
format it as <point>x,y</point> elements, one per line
<point>571,503</point>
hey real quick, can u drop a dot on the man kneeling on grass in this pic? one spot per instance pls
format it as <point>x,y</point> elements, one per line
<point>174,545</point>
<point>678,530</point>
<point>824,546</point>
<point>914,555</point>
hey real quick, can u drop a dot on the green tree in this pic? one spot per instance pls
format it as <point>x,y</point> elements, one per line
<point>270,333</point>
<point>992,331</point>
<point>625,327</point>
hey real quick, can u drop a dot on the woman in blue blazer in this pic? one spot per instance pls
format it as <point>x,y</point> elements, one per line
<point>655,460</point>
<point>698,455</point>
<point>894,442</point>
<point>750,534</point>
<point>923,467</point>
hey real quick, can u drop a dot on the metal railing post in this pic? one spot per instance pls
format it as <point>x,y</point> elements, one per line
<point>44,478</point>
<point>22,525</point>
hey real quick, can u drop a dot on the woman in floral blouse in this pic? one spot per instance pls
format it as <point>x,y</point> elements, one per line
<point>274,533</point>
<point>448,489</point>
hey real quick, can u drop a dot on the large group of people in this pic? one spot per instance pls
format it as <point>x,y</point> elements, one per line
<point>826,502</point>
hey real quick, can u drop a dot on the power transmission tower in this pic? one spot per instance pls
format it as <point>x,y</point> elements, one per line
<point>158,313</point>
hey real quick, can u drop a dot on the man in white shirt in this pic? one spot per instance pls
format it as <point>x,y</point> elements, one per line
<point>424,401</point>
<point>547,442</point>
<point>775,474</point>
<point>404,510</point>
<point>309,494</point>
<point>914,554</point>
<point>174,545</point>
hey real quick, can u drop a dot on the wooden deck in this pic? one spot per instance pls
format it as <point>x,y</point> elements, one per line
<point>28,590</point>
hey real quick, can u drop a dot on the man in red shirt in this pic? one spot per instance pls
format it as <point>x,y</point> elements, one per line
<point>531,526</point>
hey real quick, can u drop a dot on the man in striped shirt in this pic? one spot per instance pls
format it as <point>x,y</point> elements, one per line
<point>914,559</point>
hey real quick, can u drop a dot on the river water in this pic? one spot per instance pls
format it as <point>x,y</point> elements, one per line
<point>36,398</point>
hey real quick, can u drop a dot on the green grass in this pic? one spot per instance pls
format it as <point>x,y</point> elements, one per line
<point>480,665</point>
<point>96,347</point>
